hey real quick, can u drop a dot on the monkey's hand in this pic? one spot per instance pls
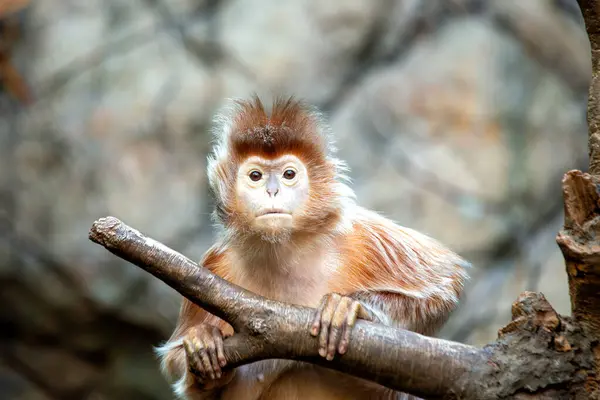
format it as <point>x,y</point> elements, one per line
<point>333,323</point>
<point>205,357</point>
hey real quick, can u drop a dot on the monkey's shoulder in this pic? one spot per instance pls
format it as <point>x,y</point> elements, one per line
<point>379,254</point>
<point>217,259</point>
<point>368,228</point>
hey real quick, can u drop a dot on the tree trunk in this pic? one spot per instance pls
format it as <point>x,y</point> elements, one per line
<point>539,354</point>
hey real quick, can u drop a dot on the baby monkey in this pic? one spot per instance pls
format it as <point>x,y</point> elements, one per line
<point>291,230</point>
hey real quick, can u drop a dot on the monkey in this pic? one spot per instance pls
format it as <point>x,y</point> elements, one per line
<point>290,229</point>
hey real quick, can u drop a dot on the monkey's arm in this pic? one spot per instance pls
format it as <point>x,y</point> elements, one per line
<point>175,364</point>
<point>174,360</point>
<point>424,316</point>
<point>402,277</point>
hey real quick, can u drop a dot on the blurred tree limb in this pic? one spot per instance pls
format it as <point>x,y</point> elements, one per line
<point>8,7</point>
<point>10,32</point>
<point>539,354</point>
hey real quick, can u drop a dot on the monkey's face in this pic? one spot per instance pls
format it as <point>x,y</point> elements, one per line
<point>272,193</point>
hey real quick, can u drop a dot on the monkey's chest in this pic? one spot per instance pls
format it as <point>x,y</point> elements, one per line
<point>302,283</point>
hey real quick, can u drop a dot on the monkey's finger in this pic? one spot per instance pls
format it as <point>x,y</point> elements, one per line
<point>212,354</point>
<point>187,347</point>
<point>327,315</point>
<point>364,313</point>
<point>220,352</point>
<point>192,358</point>
<point>208,370</point>
<point>217,341</point>
<point>211,350</point>
<point>337,323</point>
<point>351,317</point>
<point>317,318</point>
<point>201,343</point>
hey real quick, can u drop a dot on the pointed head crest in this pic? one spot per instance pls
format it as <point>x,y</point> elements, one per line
<point>291,127</point>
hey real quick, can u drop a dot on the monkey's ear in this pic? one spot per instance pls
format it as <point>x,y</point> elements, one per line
<point>221,180</point>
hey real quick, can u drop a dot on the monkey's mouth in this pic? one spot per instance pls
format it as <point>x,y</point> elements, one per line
<point>274,212</point>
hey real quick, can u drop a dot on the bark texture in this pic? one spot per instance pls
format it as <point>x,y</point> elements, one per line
<point>591,14</point>
<point>581,247</point>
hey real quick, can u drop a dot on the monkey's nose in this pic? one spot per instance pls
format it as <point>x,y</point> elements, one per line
<point>272,186</point>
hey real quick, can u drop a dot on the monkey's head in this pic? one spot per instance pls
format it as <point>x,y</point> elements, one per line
<point>274,175</point>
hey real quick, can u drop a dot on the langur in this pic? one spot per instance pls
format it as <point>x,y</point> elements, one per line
<point>291,230</point>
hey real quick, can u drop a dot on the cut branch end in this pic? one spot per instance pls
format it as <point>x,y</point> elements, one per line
<point>579,242</point>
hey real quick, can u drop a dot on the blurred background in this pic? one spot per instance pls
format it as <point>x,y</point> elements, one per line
<point>457,117</point>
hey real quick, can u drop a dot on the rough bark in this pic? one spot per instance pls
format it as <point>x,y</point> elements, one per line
<point>578,240</point>
<point>580,245</point>
<point>591,16</point>
<point>538,354</point>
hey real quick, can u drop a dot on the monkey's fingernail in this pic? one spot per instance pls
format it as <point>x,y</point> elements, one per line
<point>314,331</point>
<point>329,357</point>
<point>322,352</point>
<point>218,375</point>
<point>222,362</point>
<point>342,348</point>
<point>331,351</point>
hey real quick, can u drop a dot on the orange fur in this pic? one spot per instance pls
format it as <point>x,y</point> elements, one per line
<point>287,129</point>
<point>401,276</point>
<point>417,279</point>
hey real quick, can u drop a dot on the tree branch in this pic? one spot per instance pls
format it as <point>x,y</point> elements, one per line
<point>580,244</point>
<point>395,358</point>
<point>591,15</point>
<point>579,239</point>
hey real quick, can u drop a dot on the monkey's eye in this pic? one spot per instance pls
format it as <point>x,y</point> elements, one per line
<point>289,174</point>
<point>255,176</point>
